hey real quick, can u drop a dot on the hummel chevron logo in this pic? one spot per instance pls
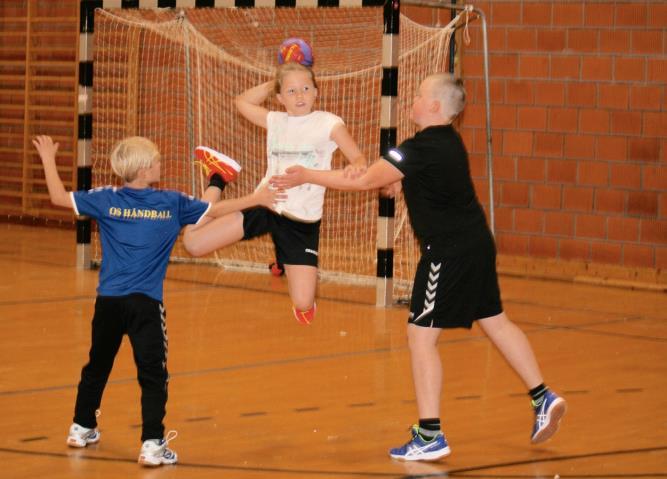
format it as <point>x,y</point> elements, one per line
<point>428,308</point>
<point>431,290</point>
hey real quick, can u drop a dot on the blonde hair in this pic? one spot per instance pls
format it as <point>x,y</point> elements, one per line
<point>131,155</point>
<point>290,67</point>
<point>450,92</point>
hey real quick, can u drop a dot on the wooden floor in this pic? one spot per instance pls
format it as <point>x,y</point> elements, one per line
<point>255,395</point>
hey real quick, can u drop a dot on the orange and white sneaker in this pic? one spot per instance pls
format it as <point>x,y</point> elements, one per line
<point>304,317</point>
<point>215,162</point>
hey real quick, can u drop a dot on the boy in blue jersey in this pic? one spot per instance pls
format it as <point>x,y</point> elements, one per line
<point>138,228</point>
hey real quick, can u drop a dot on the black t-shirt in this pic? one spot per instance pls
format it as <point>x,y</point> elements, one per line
<point>439,192</point>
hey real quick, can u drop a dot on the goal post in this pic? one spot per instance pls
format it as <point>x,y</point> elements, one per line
<point>171,74</point>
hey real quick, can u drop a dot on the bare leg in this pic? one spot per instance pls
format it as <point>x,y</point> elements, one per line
<point>217,233</point>
<point>514,346</point>
<point>426,369</point>
<point>212,194</point>
<point>302,284</point>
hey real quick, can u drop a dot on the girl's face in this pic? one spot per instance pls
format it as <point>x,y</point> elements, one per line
<point>297,93</point>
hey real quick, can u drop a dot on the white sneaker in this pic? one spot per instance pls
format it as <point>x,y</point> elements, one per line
<point>154,452</point>
<point>80,436</point>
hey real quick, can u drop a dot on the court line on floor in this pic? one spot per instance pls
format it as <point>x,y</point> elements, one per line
<point>209,285</point>
<point>457,472</point>
<point>302,359</point>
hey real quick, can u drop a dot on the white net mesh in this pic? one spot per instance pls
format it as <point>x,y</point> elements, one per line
<point>172,76</point>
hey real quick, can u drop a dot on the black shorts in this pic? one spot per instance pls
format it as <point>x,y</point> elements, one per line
<point>454,292</point>
<point>296,242</point>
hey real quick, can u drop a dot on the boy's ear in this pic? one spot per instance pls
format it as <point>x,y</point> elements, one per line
<point>141,173</point>
<point>279,97</point>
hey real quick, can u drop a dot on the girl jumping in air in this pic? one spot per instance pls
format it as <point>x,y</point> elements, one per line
<point>297,136</point>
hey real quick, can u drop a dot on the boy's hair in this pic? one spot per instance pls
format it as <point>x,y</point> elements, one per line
<point>450,92</point>
<point>132,154</point>
<point>289,67</point>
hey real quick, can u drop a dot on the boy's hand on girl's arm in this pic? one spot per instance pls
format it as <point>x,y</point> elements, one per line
<point>293,176</point>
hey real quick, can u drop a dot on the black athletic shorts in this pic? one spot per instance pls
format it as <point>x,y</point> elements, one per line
<point>296,242</point>
<point>454,292</point>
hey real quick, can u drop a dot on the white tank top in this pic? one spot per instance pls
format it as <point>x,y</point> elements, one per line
<point>300,140</point>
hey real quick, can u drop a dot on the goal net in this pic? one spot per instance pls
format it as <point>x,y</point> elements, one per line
<point>172,76</point>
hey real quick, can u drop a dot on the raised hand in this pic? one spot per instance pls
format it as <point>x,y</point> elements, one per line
<point>46,148</point>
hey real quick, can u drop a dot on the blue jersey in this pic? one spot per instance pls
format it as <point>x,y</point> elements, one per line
<point>138,229</point>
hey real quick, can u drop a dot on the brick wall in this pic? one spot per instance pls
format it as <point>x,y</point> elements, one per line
<point>579,127</point>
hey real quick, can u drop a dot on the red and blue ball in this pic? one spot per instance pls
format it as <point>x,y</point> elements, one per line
<point>295,50</point>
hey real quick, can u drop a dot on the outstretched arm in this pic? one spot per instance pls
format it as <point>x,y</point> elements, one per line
<point>248,103</point>
<point>47,150</point>
<point>379,174</point>
<point>356,159</point>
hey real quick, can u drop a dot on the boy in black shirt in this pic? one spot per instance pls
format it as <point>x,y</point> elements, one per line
<point>456,282</point>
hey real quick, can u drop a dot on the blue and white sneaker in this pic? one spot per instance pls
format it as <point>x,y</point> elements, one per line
<point>547,417</point>
<point>80,436</point>
<point>417,449</point>
<point>154,452</point>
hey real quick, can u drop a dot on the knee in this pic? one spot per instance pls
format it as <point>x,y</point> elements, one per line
<point>422,338</point>
<point>303,304</point>
<point>413,340</point>
<point>152,375</point>
<point>494,324</point>
<point>302,296</point>
<point>191,245</point>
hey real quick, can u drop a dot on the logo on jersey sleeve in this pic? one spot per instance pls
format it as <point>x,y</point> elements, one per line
<point>395,155</point>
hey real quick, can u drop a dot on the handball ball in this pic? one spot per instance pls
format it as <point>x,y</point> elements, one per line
<point>295,50</point>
